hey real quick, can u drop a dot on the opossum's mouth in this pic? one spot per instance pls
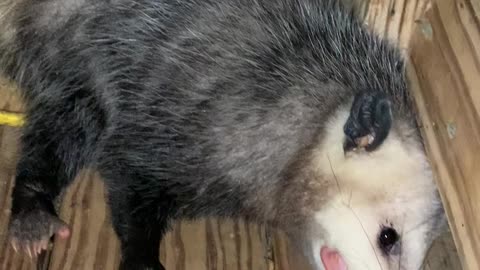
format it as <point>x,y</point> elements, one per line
<point>332,259</point>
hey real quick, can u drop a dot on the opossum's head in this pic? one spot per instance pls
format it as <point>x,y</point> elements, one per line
<point>382,210</point>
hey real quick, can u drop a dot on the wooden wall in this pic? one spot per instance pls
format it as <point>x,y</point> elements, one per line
<point>445,72</point>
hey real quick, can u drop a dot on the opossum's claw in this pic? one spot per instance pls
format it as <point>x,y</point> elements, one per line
<point>30,232</point>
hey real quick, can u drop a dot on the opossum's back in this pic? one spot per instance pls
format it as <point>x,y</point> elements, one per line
<point>171,53</point>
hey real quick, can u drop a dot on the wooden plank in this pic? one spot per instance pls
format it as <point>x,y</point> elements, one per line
<point>92,244</point>
<point>10,101</point>
<point>445,72</point>
<point>443,255</point>
<point>8,258</point>
<point>394,19</point>
<point>285,256</point>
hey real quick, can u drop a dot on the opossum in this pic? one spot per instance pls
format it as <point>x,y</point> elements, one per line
<point>290,113</point>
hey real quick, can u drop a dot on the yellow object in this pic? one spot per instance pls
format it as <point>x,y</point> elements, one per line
<point>11,119</point>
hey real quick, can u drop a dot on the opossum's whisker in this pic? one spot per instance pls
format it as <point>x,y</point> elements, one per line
<point>366,235</point>
<point>334,175</point>
<point>338,182</point>
<point>368,238</point>
<point>350,199</point>
<point>350,208</point>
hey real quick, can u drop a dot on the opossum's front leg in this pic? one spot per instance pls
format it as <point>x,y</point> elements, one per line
<point>39,180</point>
<point>33,223</point>
<point>139,228</point>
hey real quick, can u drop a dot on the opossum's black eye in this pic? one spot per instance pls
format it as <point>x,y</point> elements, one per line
<point>387,239</point>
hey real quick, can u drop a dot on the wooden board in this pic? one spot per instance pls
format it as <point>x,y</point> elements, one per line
<point>394,19</point>
<point>445,71</point>
<point>9,98</point>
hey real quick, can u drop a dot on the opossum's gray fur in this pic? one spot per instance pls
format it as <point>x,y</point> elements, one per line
<point>275,68</point>
<point>190,108</point>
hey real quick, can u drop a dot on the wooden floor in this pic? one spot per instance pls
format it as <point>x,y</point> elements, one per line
<point>206,244</point>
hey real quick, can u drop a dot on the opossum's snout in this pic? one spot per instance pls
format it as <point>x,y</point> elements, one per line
<point>332,259</point>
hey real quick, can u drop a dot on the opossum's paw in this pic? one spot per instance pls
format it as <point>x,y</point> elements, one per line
<point>30,232</point>
<point>369,122</point>
<point>136,265</point>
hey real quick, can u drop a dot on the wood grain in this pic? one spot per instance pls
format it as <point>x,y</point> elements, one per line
<point>8,145</point>
<point>445,73</point>
<point>10,101</point>
<point>394,19</point>
<point>443,255</point>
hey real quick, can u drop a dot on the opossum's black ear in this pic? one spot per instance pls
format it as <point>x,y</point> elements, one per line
<point>369,122</point>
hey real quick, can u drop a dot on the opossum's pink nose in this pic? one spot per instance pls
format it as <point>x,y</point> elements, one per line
<point>332,260</point>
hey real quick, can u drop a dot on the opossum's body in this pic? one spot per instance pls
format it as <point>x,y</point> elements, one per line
<point>234,108</point>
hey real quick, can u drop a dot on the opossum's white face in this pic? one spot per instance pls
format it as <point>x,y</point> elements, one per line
<point>381,209</point>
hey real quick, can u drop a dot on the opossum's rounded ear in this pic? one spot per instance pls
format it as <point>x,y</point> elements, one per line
<point>369,122</point>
